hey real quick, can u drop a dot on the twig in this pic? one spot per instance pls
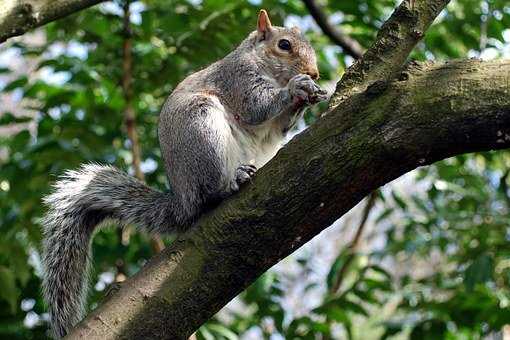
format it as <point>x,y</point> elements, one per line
<point>349,45</point>
<point>129,116</point>
<point>355,241</point>
<point>127,77</point>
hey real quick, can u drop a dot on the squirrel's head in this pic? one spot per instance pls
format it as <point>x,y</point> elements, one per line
<point>285,51</point>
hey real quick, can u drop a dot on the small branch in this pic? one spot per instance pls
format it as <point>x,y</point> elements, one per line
<point>395,41</point>
<point>129,116</point>
<point>349,45</point>
<point>20,16</point>
<point>352,248</point>
<point>127,80</point>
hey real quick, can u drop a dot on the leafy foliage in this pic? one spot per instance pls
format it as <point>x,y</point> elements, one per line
<point>443,268</point>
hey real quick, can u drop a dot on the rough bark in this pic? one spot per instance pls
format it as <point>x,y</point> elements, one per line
<point>20,16</point>
<point>382,129</point>
<point>429,113</point>
<point>395,40</point>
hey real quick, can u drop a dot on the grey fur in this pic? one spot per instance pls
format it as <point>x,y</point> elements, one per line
<point>82,200</point>
<point>215,129</point>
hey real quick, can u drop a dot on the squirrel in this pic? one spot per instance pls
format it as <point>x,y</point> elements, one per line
<point>216,128</point>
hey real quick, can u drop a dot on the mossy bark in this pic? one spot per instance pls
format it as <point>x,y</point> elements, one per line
<point>429,113</point>
<point>395,40</point>
<point>20,16</point>
<point>377,129</point>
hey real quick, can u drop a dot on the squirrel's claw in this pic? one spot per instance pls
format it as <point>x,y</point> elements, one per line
<point>304,89</point>
<point>244,174</point>
<point>318,96</point>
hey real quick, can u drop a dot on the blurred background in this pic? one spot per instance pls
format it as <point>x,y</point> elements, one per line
<point>425,257</point>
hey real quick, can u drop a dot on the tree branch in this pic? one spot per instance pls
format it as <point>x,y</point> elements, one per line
<point>374,137</point>
<point>349,45</point>
<point>127,90</point>
<point>396,39</point>
<point>157,244</point>
<point>352,247</point>
<point>20,16</point>
<point>432,112</point>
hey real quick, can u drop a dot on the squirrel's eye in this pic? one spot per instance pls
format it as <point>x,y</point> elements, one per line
<point>284,44</point>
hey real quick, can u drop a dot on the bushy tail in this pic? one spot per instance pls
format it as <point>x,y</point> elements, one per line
<point>82,200</point>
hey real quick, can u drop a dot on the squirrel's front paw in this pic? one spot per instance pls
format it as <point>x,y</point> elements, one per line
<point>318,96</point>
<point>303,89</point>
<point>244,173</point>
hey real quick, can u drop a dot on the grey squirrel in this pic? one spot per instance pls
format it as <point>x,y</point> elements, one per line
<point>217,127</point>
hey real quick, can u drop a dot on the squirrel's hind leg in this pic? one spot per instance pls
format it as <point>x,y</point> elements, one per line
<point>201,158</point>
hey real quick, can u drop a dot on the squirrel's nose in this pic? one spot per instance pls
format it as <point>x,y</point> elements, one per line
<point>314,74</point>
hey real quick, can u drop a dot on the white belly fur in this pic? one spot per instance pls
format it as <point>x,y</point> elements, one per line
<point>255,147</point>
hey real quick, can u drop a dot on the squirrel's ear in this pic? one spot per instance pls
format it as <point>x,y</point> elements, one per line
<point>263,25</point>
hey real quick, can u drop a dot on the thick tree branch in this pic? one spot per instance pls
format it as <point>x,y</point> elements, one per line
<point>20,16</point>
<point>396,39</point>
<point>374,137</point>
<point>349,45</point>
<point>432,112</point>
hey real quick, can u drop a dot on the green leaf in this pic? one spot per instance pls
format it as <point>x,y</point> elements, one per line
<point>479,271</point>
<point>380,270</point>
<point>8,289</point>
<point>400,202</point>
<point>20,82</point>
<point>335,267</point>
<point>384,215</point>
<point>8,119</point>
<point>222,331</point>
<point>354,307</point>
